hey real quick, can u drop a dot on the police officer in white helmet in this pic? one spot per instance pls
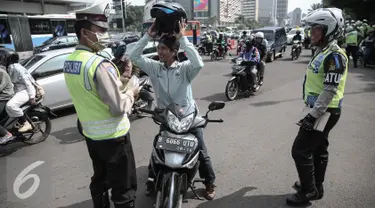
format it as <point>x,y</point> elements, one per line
<point>323,93</point>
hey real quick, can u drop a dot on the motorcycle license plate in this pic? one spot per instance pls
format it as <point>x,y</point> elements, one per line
<point>175,145</point>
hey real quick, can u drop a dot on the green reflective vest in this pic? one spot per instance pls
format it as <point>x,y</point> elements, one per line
<point>97,121</point>
<point>314,79</point>
<point>352,38</point>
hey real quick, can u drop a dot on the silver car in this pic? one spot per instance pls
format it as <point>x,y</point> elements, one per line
<point>47,69</point>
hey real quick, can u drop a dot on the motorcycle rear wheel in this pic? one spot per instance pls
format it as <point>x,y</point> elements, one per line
<point>38,119</point>
<point>231,90</point>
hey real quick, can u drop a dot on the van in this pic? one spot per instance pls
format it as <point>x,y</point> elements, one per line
<point>277,41</point>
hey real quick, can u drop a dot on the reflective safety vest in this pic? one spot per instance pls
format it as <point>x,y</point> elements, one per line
<point>352,38</point>
<point>314,79</point>
<point>97,121</point>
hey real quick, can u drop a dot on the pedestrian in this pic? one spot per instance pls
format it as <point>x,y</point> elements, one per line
<point>323,92</point>
<point>94,85</point>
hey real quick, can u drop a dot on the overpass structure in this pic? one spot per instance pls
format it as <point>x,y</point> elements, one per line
<point>32,7</point>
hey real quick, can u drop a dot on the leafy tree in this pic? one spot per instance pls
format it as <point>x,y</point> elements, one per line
<point>357,9</point>
<point>315,7</point>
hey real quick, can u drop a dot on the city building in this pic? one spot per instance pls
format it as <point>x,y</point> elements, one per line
<point>267,12</point>
<point>229,10</point>
<point>42,7</point>
<point>282,12</point>
<point>250,9</point>
<point>296,17</point>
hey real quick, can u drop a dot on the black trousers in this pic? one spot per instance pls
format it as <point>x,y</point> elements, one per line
<point>3,131</point>
<point>352,50</point>
<point>310,152</point>
<point>205,168</point>
<point>114,168</point>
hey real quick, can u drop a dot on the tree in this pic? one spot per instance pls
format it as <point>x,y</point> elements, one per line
<point>315,7</point>
<point>357,9</point>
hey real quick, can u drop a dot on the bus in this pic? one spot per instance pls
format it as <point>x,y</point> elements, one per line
<point>191,28</point>
<point>23,33</point>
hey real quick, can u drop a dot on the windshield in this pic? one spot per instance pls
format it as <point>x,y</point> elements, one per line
<point>49,41</point>
<point>28,63</point>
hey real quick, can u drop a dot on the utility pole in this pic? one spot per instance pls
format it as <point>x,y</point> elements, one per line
<point>124,15</point>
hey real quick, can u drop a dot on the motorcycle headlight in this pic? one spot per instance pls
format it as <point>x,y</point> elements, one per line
<point>178,125</point>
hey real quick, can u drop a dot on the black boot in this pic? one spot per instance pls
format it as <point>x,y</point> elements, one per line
<point>261,81</point>
<point>308,191</point>
<point>319,187</point>
<point>320,172</point>
<point>101,200</point>
<point>150,187</point>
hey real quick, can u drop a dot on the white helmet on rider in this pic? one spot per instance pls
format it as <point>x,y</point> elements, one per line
<point>259,35</point>
<point>331,19</point>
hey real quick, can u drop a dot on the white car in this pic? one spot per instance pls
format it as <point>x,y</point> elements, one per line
<point>292,33</point>
<point>47,69</point>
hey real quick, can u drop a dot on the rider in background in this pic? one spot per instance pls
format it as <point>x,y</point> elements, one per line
<point>6,93</point>
<point>24,91</point>
<point>262,45</point>
<point>251,54</point>
<point>221,43</point>
<point>298,37</point>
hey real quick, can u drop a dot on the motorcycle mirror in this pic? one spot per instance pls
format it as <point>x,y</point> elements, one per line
<point>216,105</point>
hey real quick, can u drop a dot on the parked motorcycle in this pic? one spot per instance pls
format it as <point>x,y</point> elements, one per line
<point>38,116</point>
<point>296,49</point>
<point>175,152</point>
<point>235,84</point>
<point>366,53</point>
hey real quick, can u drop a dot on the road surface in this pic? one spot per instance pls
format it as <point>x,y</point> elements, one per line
<point>250,150</point>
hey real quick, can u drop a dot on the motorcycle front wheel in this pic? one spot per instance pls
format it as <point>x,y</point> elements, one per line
<point>42,125</point>
<point>232,89</point>
<point>213,56</point>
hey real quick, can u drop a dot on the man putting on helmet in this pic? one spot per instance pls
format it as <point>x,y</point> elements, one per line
<point>323,93</point>
<point>172,79</point>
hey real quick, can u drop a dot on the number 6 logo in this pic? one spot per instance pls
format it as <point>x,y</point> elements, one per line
<point>23,177</point>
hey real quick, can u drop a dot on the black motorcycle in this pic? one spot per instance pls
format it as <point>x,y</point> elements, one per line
<point>203,48</point>
<point>366,53</point>
<point>216,53</point>
<point>296,49</point>
<point>38,116</point>
<point>240,76</point>
<point>175,153</point>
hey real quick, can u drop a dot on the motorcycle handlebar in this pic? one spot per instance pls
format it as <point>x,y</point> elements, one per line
<point>215,121</point>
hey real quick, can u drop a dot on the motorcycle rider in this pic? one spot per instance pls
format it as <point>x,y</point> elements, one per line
<point>222,45</point>
<point>208,44</point>
<point>24,91</point>
<point>323,91</point>
<point>6,93</point>
<point>172,83</point>
<point>351,41</point>
<point>94,84</point>
<point>298,37</point>
<point>244,35</point>
<point>262,45</point>
<point>251,53</point>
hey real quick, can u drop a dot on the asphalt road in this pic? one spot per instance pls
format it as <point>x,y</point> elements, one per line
<point>250,150</point>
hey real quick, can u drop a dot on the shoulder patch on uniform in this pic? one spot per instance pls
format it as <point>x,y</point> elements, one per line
<point>72,67</point>
<point>112,70</point>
